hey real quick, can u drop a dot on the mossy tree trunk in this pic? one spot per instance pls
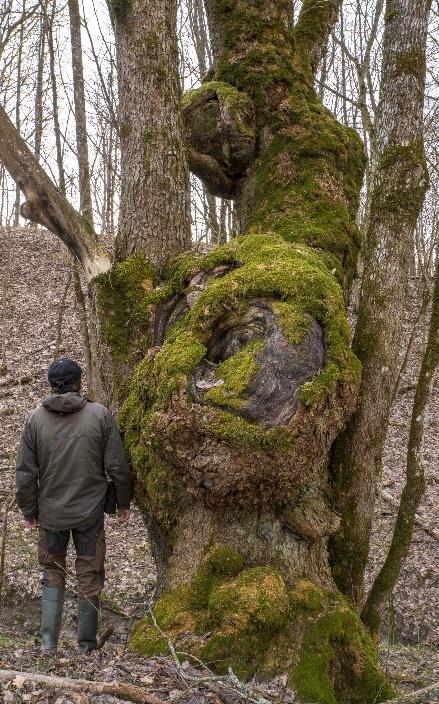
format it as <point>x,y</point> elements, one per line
<point>246,375</point>
<point>400,182</point>
<point>254,377</point>
<point>414,488</point>
<point>250,377</point>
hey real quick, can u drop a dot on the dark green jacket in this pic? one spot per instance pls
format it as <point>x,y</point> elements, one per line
<point>67,447</point>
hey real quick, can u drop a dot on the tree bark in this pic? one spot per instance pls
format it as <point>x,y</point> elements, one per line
<point>49,21</point>
<point>249,377</point>
<point>414,488</point>
<point>399,186</point>
<point>18,103</point>
<point>39,85</point>
<point>246,375</point>
<point>86,207</point>
<point>154,207</point>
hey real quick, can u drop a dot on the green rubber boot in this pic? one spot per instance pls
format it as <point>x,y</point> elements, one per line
<point>51,611</point>
<point>88,613</point>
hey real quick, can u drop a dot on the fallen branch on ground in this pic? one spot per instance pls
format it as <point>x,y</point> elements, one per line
<point>429,695</point>
<point>122,690</point>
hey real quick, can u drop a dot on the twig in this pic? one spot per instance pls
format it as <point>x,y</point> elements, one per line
<point>103,639</point>
<point>418,520</point>
<point>428,695</point>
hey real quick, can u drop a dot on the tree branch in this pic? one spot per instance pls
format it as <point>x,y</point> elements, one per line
<point>311,32</point>
<point>428,695</point>
<point>120,690</point>
<point>45,204</point>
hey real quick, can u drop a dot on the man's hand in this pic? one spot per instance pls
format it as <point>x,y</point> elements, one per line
<point>31,523</point>
<point>123,515</point>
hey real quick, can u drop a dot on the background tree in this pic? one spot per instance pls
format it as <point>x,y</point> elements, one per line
<point>399,184</point>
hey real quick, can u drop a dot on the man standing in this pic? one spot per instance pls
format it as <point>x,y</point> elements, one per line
<point>68,447</point>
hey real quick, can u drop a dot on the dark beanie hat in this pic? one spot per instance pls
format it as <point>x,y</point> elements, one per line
<point>64,371</point>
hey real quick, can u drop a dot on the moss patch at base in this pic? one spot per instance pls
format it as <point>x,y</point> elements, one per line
<point>249,620</point>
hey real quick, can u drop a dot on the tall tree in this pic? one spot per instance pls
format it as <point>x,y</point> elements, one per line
<point>414,488</point>
<point>400,182</point>
<point>154,207</point>
<point>86,207</point>
<point>245,373</point>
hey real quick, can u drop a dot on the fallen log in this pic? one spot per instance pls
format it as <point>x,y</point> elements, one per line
<point>121,690</point>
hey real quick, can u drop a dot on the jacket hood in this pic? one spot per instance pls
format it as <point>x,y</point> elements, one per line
<point>64,403</point>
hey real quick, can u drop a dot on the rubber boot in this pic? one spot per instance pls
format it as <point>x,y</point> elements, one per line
<point>51,610</point>
<point>88,613</point>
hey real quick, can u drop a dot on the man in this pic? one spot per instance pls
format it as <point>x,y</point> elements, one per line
<point>67,449</point>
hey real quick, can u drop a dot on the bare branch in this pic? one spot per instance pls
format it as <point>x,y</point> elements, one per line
<point>46,205</point>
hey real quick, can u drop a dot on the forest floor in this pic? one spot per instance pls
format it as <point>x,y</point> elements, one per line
<point>34,270</point>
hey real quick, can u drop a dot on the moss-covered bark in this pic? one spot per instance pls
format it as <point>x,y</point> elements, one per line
<point>251,620</point>
<point>249,375</point>
<point>400,182</point>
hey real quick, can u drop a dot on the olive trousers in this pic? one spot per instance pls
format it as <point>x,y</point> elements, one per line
<point>89,545</point>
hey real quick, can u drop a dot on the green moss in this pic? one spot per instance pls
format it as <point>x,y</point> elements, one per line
<point>411,63</point>
<point>220,563</point>
<point>120,9</point>
<point>238,104</point>
<point>306,596</point>
<point>122,296</point>
<point>293,323</point>
<point>249,620</point>
<point>300,284</point>
<point>236,372</point>
<point>237,431</point>
<point>337,640</point>
<point>398,195</point>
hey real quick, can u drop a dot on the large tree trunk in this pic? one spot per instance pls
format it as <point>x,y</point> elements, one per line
<point>154,207</point>
<point>400,181</point>
<point>246,374</point>
<point>250,376</point>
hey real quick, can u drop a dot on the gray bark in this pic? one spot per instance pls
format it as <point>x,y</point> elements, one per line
<point>399,186</point>
<point>86,207</point>
<point>154,208</point>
